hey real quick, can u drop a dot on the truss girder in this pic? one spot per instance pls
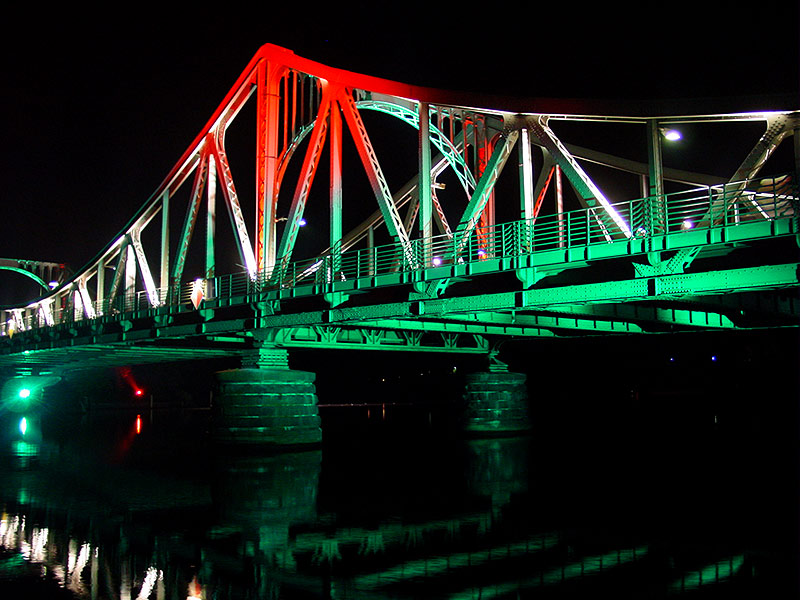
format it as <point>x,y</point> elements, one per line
<point>267,112</point>
<point>541,322</point>
<point>400,199</point>
<point>645,315</point>
<point>381,336</point>
<point>686,285</point>
<point>497,314</point>
<point>668,287</point>
<point>200,176</point>
<point>244,246</point>
<point>40,271</point>
<point>29,274</point>
<point>458,326</point>
<point>391,217</point>
<point>119,269</point>
<point>144,269</point>
<point>309,168</point>
<point>448,149</point>
<point>45,309</point>
<point>579,179</point>
<point>296,98</point>
<point>483,189</point>
<point>81,305</point>
<point>778,127</point>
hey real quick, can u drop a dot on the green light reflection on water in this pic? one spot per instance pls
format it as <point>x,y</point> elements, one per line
<point>711,574</point>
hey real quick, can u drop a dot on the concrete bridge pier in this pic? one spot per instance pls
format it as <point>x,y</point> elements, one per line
<point>266,403</point>
<point>495,402</point>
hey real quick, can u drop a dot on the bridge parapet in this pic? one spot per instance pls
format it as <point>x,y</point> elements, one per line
<point>705,216</point>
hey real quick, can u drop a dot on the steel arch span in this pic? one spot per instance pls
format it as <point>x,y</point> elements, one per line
<point>420,196</point>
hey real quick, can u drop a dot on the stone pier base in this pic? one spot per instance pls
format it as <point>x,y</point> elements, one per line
<point>266,406</point>
<point>495,404</point>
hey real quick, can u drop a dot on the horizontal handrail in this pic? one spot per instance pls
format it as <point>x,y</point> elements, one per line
<point>702,208</point>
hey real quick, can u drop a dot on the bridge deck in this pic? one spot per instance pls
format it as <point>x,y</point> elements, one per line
<point>605,267</point>
<point>236,310</point>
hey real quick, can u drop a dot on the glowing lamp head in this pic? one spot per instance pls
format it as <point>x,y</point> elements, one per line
<point>138,392</point>
<point>301,223</point>
<point>25,393</point>
<point>687,224</point>
<point>672,135</point>
<point>437,261</point>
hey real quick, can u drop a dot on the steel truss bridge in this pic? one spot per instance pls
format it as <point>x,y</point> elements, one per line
<point>422,236</point>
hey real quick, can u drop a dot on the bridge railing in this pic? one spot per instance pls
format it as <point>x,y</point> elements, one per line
<point>707,207</point>
<point>728,205</point>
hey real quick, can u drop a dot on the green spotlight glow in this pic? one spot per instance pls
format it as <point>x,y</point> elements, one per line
<point>23,425</point>
<point>25,393</point>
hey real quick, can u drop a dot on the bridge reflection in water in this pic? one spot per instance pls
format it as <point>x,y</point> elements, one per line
<point>402,510</point>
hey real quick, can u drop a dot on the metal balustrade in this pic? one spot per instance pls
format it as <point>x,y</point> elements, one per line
<point>704,208</point>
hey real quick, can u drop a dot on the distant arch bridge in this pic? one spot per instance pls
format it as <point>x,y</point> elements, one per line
<point>444,222</point>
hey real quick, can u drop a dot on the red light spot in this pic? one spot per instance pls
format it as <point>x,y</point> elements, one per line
<point>138,424</point>
<point>138,392</point>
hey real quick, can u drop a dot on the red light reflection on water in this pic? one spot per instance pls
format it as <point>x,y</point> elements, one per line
<point>126,441</point>
<point>127,376</point>
<point>195,591</point>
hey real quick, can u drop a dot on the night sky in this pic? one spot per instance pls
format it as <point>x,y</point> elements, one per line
<point>98,107</point>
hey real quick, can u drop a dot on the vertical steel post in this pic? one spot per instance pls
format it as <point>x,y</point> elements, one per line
<point>101,285</point>
<point>268,81</point>
<point>308,170</point>
<point>336,189</point>
<point>164,284</point>
<point>525,175</point>
<point>526,191</point>
<point>130,277</point>
<point>560,207</point>
<point>371,249</point>
<point>655,199</point>
<point>641,217</point>
<point>424,187</point>
<point>211,218</point>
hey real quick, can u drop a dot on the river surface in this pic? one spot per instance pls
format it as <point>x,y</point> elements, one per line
<point>132,503</point>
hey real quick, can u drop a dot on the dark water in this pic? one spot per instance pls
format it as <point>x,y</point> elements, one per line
<point>136,504</point>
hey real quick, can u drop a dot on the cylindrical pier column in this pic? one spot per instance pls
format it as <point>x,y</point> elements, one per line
<point>266,403</point>
<point>496,403</point>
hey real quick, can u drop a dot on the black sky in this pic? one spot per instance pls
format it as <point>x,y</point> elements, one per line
<point>98,107</point>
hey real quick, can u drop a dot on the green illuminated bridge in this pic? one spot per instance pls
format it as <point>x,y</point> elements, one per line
<point>423,236</point>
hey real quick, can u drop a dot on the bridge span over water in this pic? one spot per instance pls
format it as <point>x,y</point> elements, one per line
<point>371,214</point>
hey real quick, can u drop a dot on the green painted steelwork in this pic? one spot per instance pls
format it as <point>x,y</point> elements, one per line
<point>549,243</point>
<point>437,138</point>
<point>27,273</point>
<point>687,285</point>
<point>712,574</point>
<point>386,335</point>
<point>127,327</point>
<point>464,324</point>
<point>631,312</point>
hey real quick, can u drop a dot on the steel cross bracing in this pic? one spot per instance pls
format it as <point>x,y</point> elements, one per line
<point>46,274</point>
<point>403,160</point>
